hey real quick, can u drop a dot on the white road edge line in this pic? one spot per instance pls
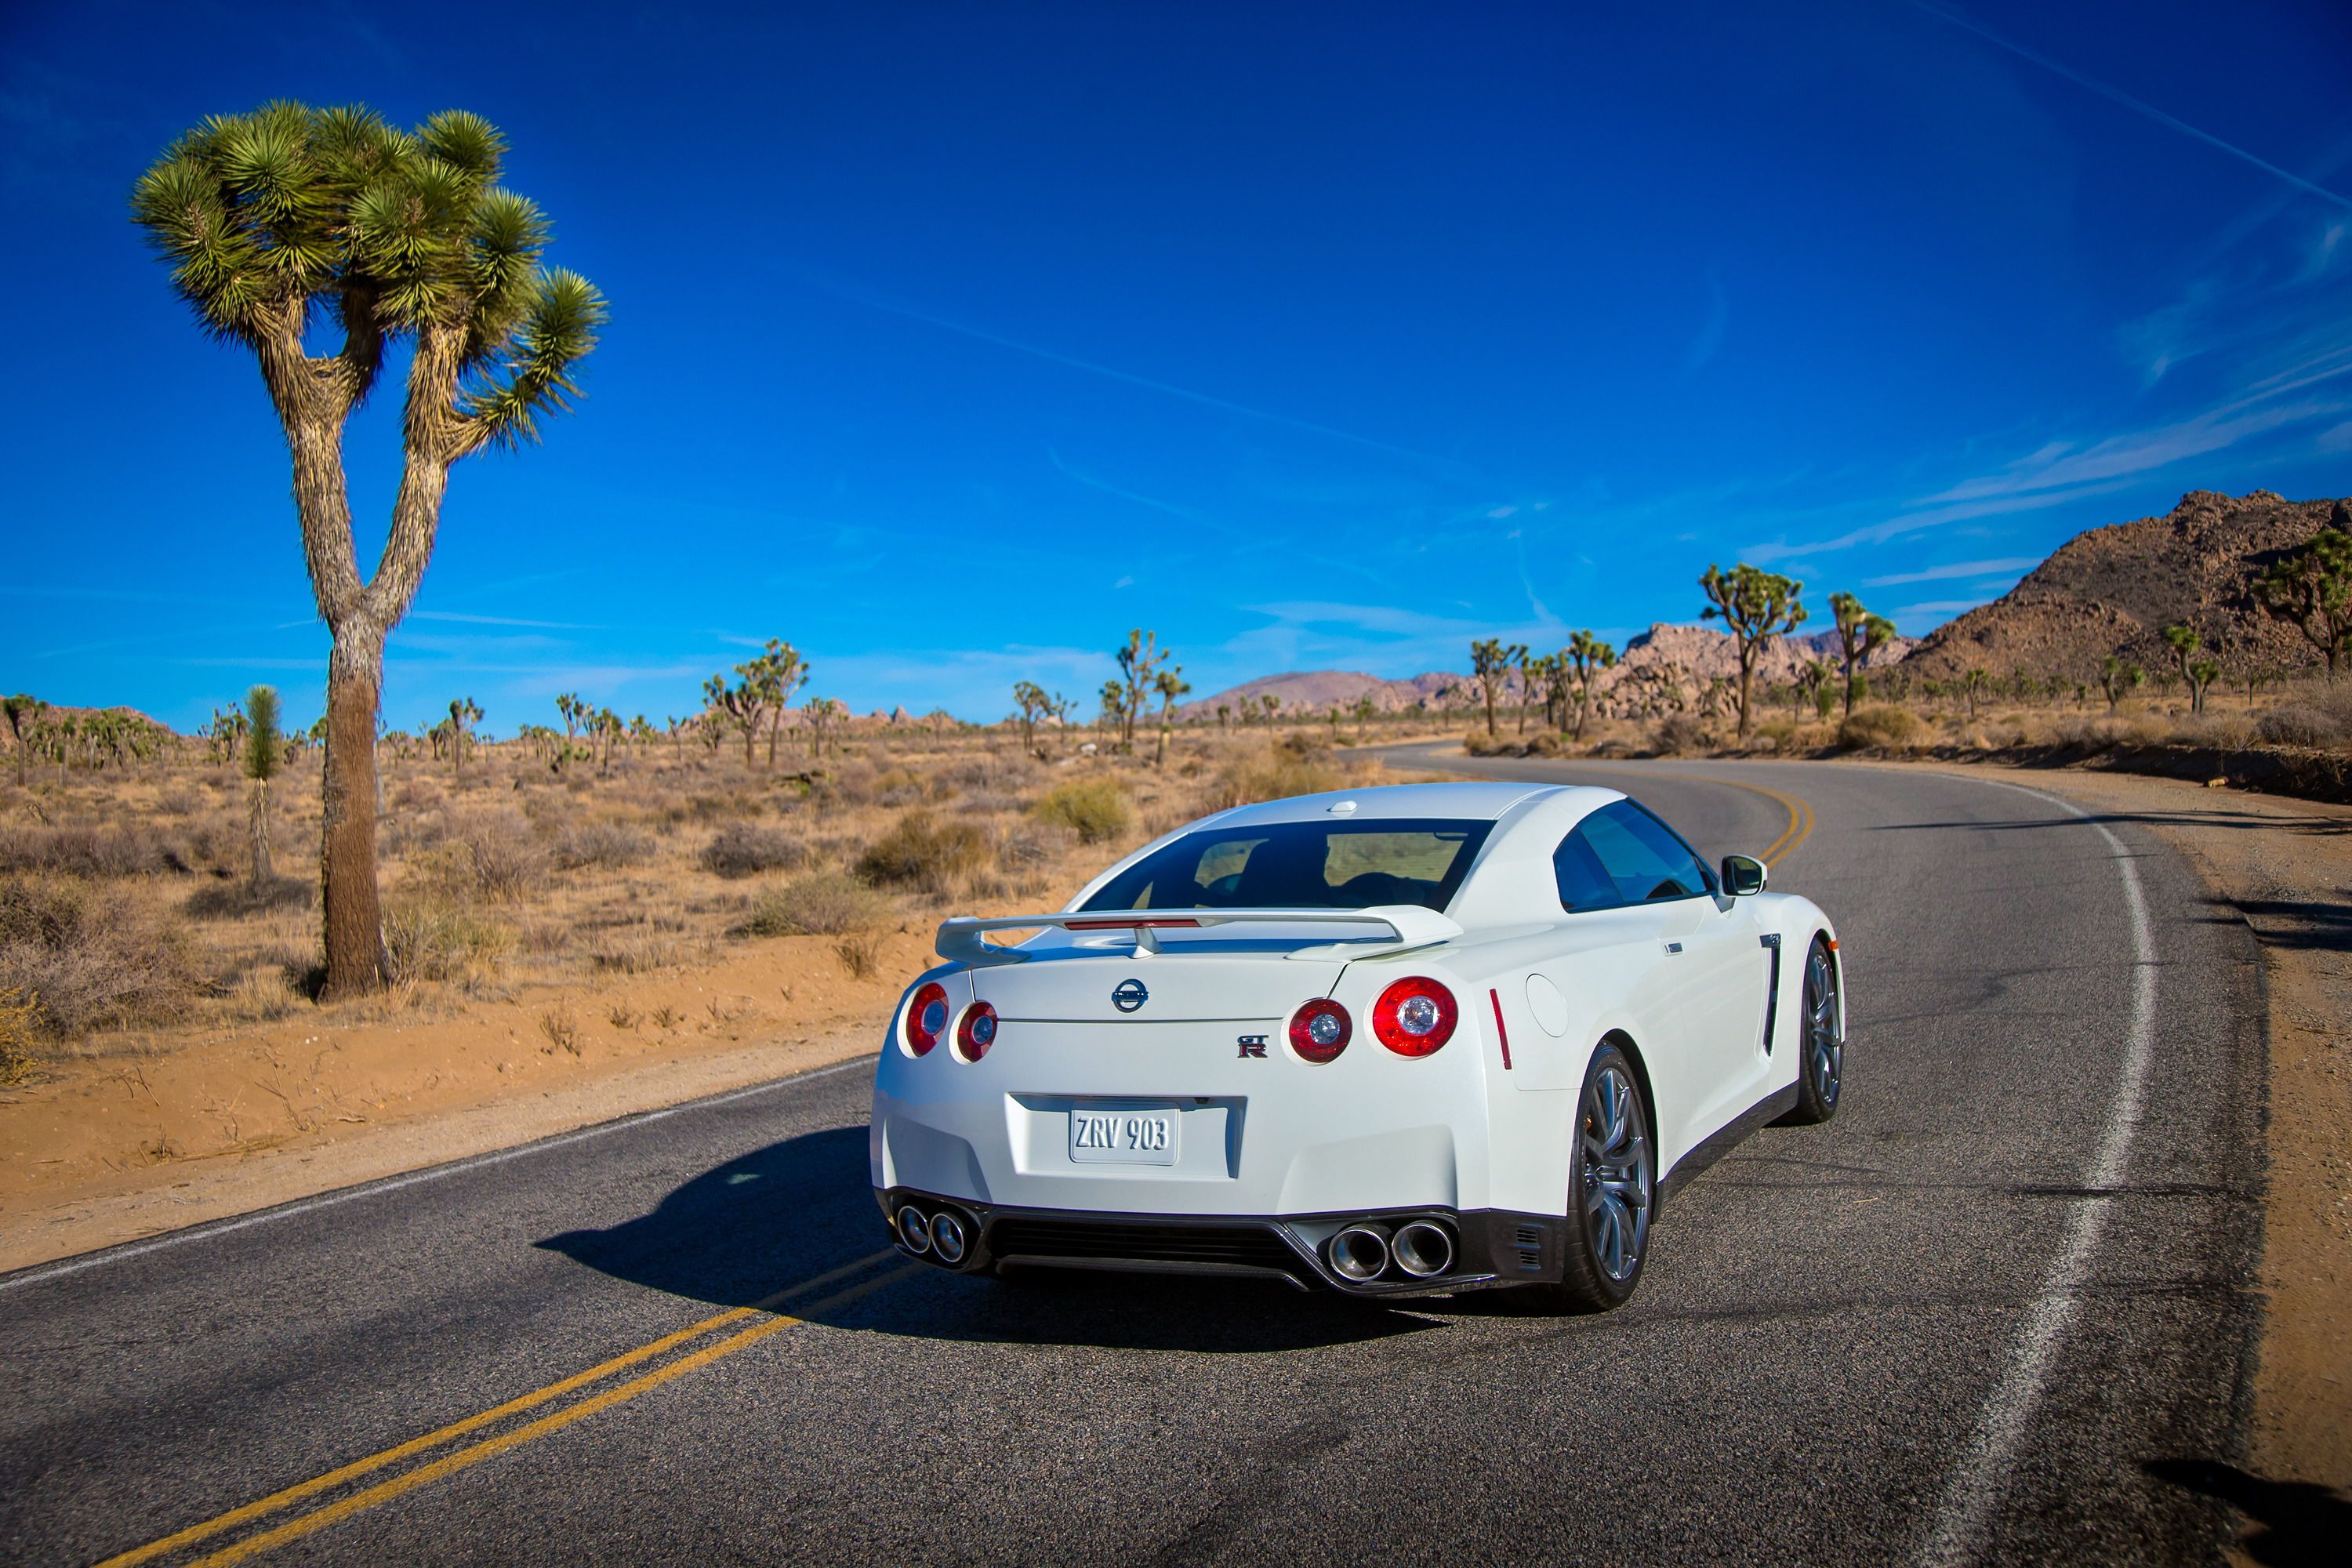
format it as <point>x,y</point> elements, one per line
<point>1977,1488</point>
<point>414,1178</point>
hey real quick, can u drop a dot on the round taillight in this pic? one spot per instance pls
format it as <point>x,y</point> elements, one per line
<point>1415,1017</point>
<point>977,1032</point>
<point>927,1018</point>
<point>1319,1031</point>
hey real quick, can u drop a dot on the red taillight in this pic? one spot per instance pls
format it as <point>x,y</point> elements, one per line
<point>1414,1017</point>
<point>1319,1030</point>
<point>927,1018</point>
<point>977,1032</point>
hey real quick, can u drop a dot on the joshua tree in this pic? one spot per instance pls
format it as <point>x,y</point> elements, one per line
<point>2184,642</point>
<point>1859,634</point>
<point>1527,681</point>
<point>262,755</point>
<point>2117,678</point>
<point>1272,704</point>
<point>1169,684</point>
<point>1490,664</point>
<point>743,703</point>
<point>1814,681</point>
<point>2201,674</point>
<point>1587,655</point>
<point>1224,714</point>
<point>1138,663</point>
<point>271,220</point>
<point>773,676</point>
<point>21,710</point>
<point>464,714</point>
<point>1755,605</point>
<point>1973,685</point>
<point>577,711</point>
<point>821,712</point>
<point>1032,699</point>
<point>2311,589</point>
<point>1365,709</point>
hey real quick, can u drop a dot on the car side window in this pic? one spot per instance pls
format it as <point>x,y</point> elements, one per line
<point>1644,861</point>
<point>1584,882</point>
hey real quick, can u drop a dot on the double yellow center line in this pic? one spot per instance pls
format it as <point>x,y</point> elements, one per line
<point>768,1322</point>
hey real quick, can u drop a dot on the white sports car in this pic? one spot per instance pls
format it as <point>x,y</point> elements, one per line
<point>1427,1038</point>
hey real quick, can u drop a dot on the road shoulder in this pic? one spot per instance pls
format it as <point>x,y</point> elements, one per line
<point>2284,868</point>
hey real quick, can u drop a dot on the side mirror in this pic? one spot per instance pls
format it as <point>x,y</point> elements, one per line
<point>1742,875</point>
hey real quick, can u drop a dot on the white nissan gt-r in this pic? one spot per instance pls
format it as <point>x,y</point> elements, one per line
<point>1428,1037</point>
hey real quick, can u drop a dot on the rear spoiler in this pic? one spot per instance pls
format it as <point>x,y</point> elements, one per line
<point>962,939</point>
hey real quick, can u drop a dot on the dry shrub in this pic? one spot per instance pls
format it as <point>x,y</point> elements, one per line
<point>921,851</point>
<point>1290,767</point>
<point>230,897</point>
<point>263,995</point>
<point>1884,727</point>
<point>609,845</point>
<point>17,1011</point>
<point>89,955</point>
<point>1677,734</point>
<point>639,947</point>
<point>86,851</point>
<point>431,938</point>
<point>822,903</point>
<point>1039,844</point>
<point>561,1028</point>
<point>492,858</point>
<point>2299,726</point>
<point>1095,809</point>
<point>860,953</point>
<point>748,848</point>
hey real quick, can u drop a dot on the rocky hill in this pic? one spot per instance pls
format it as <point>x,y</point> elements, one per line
<point>2113,590</point>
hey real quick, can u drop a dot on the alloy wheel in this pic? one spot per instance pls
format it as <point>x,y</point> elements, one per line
<point>1614,1178</point>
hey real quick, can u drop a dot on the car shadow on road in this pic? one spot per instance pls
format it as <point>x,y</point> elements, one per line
<point>800,1210</point>
<point>2293,1523</point>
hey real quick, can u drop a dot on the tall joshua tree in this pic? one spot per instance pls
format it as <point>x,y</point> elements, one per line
<point>1755,605</point>
<point>1586,657</point>
<point>264,753</point>
<point>1169,685</point>
<point>2311,589</point>
<point>1859,634</point>
<point>274,219</point>
<point>21,710</point>
<point>1490,665</point>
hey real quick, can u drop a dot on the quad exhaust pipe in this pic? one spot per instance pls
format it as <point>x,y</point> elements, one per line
<point>1364,1252</point>
<point>1359,1253</point>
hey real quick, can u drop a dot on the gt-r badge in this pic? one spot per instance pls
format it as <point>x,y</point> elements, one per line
<point>1252,1045</point>
<point>1129,996</point>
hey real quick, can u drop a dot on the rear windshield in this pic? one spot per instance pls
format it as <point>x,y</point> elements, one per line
<point>1302,865</point>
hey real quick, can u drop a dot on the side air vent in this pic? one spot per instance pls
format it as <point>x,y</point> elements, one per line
<point>1528,1242</point>
<point>1771,988</point>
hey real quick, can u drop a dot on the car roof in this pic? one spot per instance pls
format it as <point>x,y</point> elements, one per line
<point>1477,801</point>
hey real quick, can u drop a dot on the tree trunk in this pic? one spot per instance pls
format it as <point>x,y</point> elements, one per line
<point>1747,673</point>
<point>354,917</point>
<point>264,873</point>
<point>774,724</point>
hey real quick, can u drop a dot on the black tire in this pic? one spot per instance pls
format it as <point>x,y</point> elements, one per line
<point>1612,1195</point>
<point>1820,1041</point>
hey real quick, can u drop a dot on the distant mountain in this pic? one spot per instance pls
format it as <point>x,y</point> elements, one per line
<point>2113,590</point>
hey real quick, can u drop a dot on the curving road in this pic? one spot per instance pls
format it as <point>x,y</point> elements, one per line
<point>1990,1314</point>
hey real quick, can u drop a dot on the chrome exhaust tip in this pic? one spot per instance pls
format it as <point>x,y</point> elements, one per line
<point>950,1241</point>
<point>1423,1249</point>
<point>1359,1253</point>
<point>914,1230</point>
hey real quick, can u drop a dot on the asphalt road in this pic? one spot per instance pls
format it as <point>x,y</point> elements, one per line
<point>2000,1310</point>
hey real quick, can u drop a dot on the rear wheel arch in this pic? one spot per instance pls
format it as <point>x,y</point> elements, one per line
<point>1625,1042</point>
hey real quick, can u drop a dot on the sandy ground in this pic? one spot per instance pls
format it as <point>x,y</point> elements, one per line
<point>2285,866</point>
<point>137,1138</point>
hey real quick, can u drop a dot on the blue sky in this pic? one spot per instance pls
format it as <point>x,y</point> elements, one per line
<point>950,341</point>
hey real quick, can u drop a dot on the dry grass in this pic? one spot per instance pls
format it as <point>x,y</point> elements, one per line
<point>124,905</point>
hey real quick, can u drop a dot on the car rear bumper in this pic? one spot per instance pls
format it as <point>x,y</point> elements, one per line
<point>1490,1247</point>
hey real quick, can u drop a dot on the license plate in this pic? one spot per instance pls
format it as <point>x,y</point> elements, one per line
<point>1122,1135</point>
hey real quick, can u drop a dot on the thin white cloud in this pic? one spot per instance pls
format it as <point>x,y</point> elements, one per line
<point>2116,95</point>
<point>503,621</point>
<point>1941,608</point>
<point>1956,568</point>
<point>2138,451</point>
